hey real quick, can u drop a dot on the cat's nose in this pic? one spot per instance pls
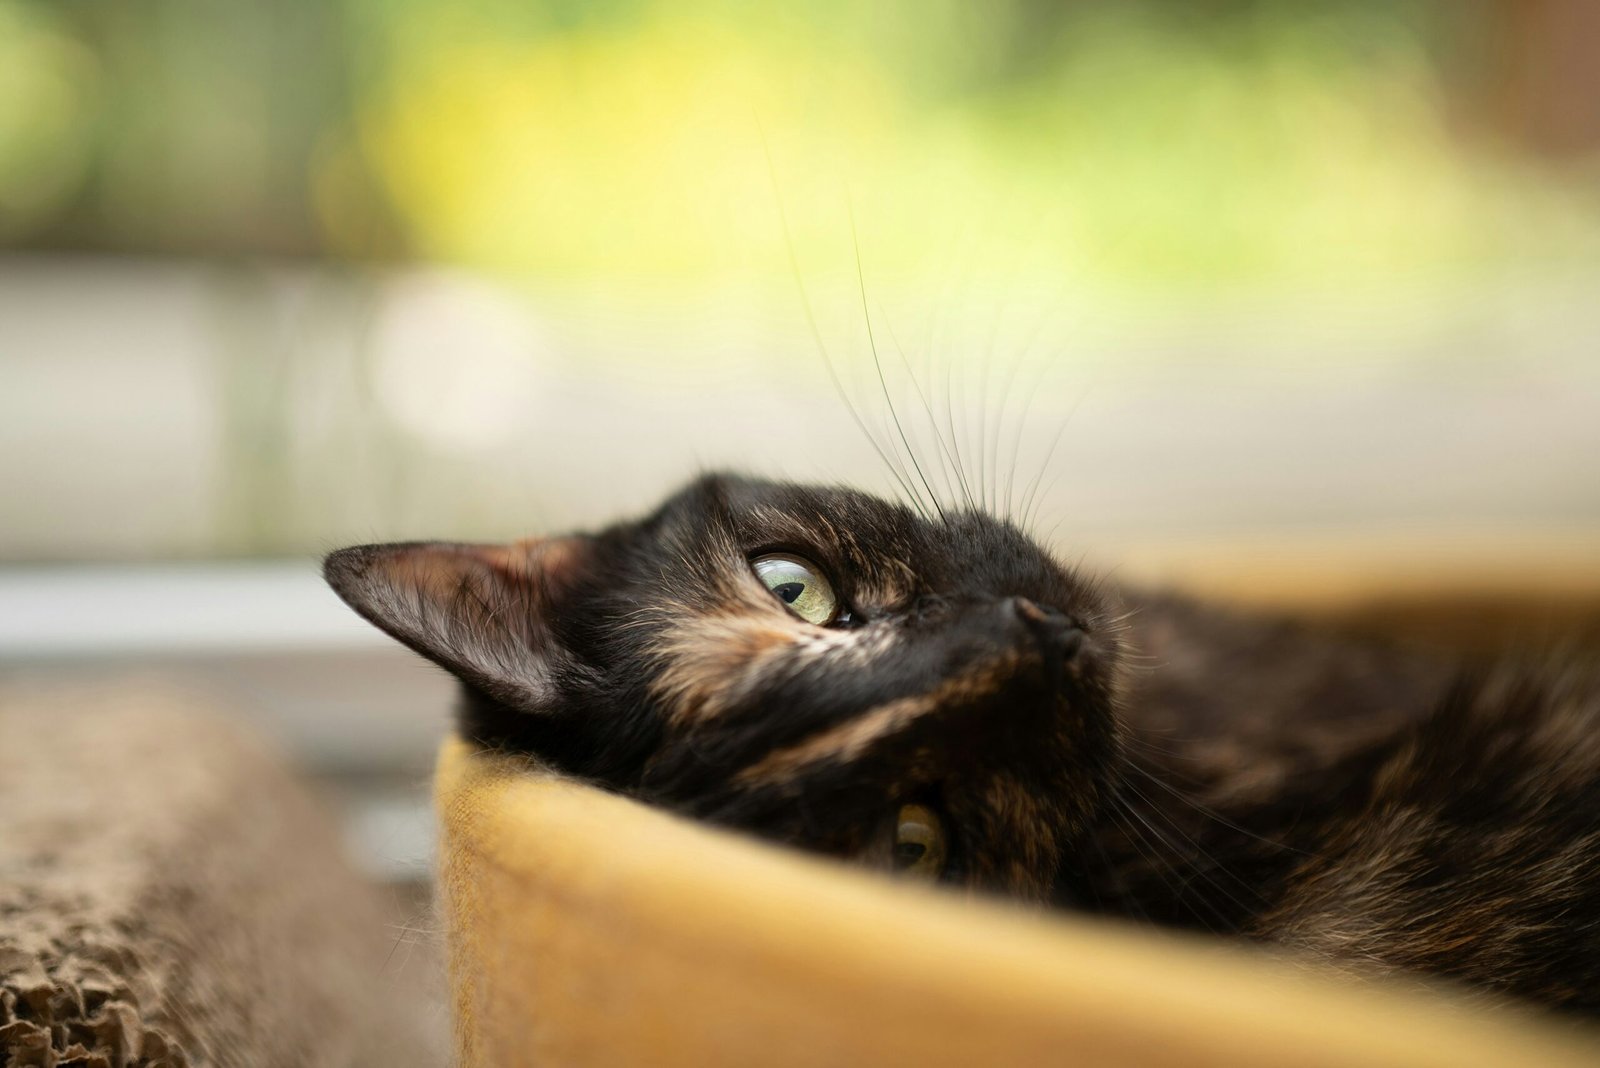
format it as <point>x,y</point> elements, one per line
<point>1054,630</point>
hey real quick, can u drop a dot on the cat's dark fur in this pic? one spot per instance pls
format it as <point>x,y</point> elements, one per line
<point>1140,756</point>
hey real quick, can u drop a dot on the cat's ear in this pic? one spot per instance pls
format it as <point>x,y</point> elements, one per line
<point>481,611</point>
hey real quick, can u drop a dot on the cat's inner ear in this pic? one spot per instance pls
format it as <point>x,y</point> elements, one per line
<point>482,611</point>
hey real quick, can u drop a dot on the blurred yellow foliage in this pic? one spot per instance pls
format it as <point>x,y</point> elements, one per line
<point>47,85</point>
<point>637,149</point>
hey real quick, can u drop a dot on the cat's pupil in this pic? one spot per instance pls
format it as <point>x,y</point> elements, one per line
<point>908,853</point>
<point>789,591</point>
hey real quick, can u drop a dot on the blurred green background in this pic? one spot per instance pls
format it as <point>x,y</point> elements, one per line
<point>276,275</point>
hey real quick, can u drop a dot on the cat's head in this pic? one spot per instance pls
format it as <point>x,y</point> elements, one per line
<point>816,665</point>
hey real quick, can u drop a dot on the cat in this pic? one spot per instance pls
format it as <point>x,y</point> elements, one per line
<point>936,695</point>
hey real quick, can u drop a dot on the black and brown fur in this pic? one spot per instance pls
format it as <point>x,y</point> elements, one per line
<point>1141,756</point>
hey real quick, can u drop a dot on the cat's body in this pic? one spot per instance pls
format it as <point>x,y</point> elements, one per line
<point>936,694</point>
<point>1384,809</point>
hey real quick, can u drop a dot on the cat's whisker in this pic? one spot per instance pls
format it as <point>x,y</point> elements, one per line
<point>877,363</point>
<point>944,451</point>
<point>1045,495</point>
<point>955,441</point>
<point>1213,814</point>
<point>1192,871</point>
<point>988,471</point>
<point>1163,869</point>
<point>1140,740</point>
<point>1030,503</point>
<point>1024,351</point>
<point>896,471</point>
<point>1119,620</point>
<point>1200,852</point>
<point>997,505</point>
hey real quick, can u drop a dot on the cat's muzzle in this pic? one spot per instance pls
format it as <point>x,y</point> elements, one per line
<point>1061,638</point>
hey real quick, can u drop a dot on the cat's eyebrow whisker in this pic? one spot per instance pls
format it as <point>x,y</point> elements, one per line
<point>950,425</point>
<point>1033,391</point>
<point>1019,261</point>
<point>944,301</point>
<point>1023,352</point>
<point>1030,493</point>
<point>999,421</point>
<point>983,401</point>
<point>1030,502</point>
<point>1044,493</point>
<point>896,470</point>
<point>955,283</point>
<point>989,451</point>
<point>877,363</point>
<point>933,422</point>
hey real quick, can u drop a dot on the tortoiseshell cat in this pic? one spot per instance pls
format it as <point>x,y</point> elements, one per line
<point>940,696</point>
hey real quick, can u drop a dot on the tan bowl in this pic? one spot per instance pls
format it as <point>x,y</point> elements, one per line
<point>586,929</point>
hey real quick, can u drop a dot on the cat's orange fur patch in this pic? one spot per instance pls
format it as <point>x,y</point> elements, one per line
<point>703,659</point>
<point>842,743</point>
<point>847,741</point>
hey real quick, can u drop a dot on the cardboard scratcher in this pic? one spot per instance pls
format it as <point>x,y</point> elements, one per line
<point>171,896</point>
<point>588,929</point>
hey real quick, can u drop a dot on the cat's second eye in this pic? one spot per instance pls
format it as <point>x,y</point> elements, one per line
<point>919,843</point>
<point>800,585</point>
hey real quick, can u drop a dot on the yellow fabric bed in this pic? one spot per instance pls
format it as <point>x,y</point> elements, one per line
<point>587,929</point>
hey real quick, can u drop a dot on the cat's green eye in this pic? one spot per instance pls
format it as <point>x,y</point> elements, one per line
<point>919,844</point>
<point>800,585</point>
